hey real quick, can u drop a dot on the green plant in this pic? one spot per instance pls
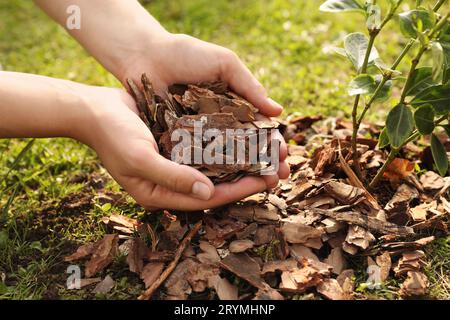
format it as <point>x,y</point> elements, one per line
<point>424,103</point>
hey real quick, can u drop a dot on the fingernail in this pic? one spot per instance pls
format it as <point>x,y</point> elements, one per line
<point>275,104</point>
<point>201,190</point>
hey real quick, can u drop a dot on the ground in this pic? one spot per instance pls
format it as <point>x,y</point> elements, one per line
<point>46,204</point>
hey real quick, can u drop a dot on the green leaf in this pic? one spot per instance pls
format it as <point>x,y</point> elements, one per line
<point>438,62</point>
<point>439,155</point>
<point>362,84</point>
<point>4,239</point>
<point>447,129</point>
<point>424,119</point>
<point>106,207</point>
<point>373,21</point>
<point>399,125</point>
<point>355,44</point>
<point>421,79</point>
<point>342,6</point>
<point>385,92</point>
<point>383,139</point>
<point>438,96</point>
<point>414,22</point>
<point>444,40</point>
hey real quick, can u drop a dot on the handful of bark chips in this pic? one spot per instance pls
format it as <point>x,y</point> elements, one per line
<point>208,127</point>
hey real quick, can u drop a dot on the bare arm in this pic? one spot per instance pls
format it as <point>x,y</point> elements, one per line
<point>128,41</point>
<point>112,31</point>
<point>36,106</point>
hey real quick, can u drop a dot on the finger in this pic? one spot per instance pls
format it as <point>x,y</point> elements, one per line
<point>224,193</point>
<point>284,170</point>
<point>179,178</point>
<point>276,135</point>
<point>242,81</point>
<point>271,180</point>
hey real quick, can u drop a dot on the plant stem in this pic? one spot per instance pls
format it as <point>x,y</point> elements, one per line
<point>394,152</point>
<point>380,172</point>
<point>357,122</point>
<point>423,48</point>
<point>438,5</point>
<point>386,77</point>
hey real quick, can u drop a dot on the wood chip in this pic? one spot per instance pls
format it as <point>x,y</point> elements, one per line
<point>225,290</point>
<point>103,254</point>
<point>244,267</point>
<point>299,233</point>
<point>331,290</point>
<point>240,246</point>
<point>416,284</point>
<point>151,272</point>
<point>104,286</point>
<point>336,260</point>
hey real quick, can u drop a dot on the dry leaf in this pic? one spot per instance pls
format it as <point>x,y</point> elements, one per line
<point>299,251</point>
<point>398,169</point>
<point>82,252</point>
<point>103,254</point>
<point>331,290</point>
<point>385,264</point>
<point>299,233</point>
<point>244,267</point>
<point>137,252</point>
<point>151,272</point>
<point>416,284</point>
<point>105,285</point>
<point>209,254</point>
<point>344,193</point>
<point>336,260</point>
<point>240,245</point>
<point>225,290</point>
<point>431,181</point>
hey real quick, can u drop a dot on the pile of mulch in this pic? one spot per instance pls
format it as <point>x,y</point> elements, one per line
<point>302,237</point>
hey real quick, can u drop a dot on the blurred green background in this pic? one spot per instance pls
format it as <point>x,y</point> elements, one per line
<point>286,43</point>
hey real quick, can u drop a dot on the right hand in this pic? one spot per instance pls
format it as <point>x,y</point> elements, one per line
<point>130,154</point>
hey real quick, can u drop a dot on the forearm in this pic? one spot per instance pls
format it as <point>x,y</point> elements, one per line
<point>112,30</point>
<point>37,106</point>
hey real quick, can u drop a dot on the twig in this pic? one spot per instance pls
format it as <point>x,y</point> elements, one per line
<point>370,223</point>
<point>149,292</point>
<point>354,180</point>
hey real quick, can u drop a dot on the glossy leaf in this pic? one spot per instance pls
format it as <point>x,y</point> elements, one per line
<point>447,129</point>
<point>421,79</point>
<point>383,139</point>
<point>385,92</point>
<point>439,155</point>
<point>373,17</point>
<point>355,44</point>
<point>399,125</point>
<point>362,84</point>
<point>438,96</point>
<point>424,119</point>
<point>414,22</point>
<point>342,6</point>
<point>439,62</point>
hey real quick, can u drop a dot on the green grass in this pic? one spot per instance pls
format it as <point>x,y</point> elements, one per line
<point>282,42</point>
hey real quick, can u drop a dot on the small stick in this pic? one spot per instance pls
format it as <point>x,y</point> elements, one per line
<point>149,292</point>
<point>355,180</point>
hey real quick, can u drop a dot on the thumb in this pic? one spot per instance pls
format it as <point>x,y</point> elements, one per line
<point>241,80</point>
<point>174,176</point>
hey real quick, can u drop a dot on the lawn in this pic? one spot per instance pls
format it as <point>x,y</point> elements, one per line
<point>284,42</point>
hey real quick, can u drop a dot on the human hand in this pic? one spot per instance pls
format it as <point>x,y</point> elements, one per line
<point>176,58</point>
<point>130,154</point>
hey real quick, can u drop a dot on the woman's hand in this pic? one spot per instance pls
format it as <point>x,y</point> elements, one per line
<point>129,152</point>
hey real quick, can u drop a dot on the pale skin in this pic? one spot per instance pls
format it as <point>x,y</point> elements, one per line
<point>106,119</point>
